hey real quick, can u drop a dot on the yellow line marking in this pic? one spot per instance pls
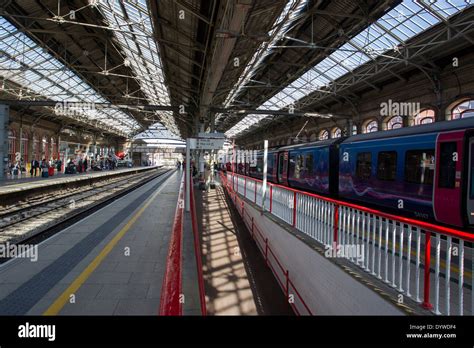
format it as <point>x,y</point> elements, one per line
<point>61,301</point>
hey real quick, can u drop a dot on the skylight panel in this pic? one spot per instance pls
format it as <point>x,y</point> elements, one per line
<point>140,49</point>
<point>279,29</point>
<point>403,22</point>
<point>447,8</point>
<point>39,72</point>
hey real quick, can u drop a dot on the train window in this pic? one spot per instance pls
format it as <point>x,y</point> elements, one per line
<point>447,165</point>
<point>364,165</point>
<point>298,166</point>
<point>309,164</point>
<point>387,165</point>
<point>259,168</point>
<point>419,166</point>
<point>270,164</point>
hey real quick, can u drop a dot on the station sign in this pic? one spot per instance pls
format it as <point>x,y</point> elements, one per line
<point>206,143</point>
<point>211,135</point>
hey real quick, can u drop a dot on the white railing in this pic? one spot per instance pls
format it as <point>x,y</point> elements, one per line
<point>394,249</point>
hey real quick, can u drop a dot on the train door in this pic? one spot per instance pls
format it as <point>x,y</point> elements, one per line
<point>247,164</point>
<point>283,168</point>
<point>470,183</point>
<point>275,167</point>
<point>447,189</point>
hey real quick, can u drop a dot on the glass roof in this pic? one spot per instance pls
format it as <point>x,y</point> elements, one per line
<point>141,51</point>
<point>27,64</point>
<point>157,133</point>
<point>406,20</point>
<point>290,13</point>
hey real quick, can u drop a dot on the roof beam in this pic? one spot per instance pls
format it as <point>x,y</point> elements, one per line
<point>189,9</point>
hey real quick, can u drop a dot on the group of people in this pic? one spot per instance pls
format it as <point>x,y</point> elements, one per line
<point>40,167</point>
<point>207,178</point>
<point>104,163</point>
<point>81,164</point>
<point>36,167</point>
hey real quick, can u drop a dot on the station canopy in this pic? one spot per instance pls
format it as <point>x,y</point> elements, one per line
<point>386,35</point>
<point>225,66</point>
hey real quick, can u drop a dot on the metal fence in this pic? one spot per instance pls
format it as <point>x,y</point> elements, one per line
<point>282,275</point>
<point>430,264</point>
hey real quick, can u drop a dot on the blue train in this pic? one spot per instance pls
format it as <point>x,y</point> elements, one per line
<point>424,172</point>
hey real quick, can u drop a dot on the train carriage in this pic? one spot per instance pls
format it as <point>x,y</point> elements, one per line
<point>425,172</point>
<point>422,172</point>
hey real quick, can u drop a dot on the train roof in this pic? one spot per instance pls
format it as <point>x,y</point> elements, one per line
<point>313,144</point>
<point>435,127</point>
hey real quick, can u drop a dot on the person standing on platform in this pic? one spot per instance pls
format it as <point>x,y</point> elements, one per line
<point>85,164</point>
<point>44,167</point>
<point>79,165</point>
<point>16,169</point>
<point>207,176</point>
<point>34,167</point>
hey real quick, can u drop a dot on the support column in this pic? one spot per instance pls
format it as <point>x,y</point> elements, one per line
<point>380,124</point>
<point>406,121</point>
<point>358,129</point>
<point>58,148</point>
<point>31,153</point>
<point>4,116</point>
<point>348,130</point>
<point>213,122</point>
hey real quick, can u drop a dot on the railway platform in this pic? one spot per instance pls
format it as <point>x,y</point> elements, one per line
<point>34,183</point>
<point>285,158</point>
<point>142,252</point>
<point>237,280</point>
<point>110,263</point>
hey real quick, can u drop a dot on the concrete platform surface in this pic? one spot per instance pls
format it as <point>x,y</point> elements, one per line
<point>236,278</point>
<point>110,263</point>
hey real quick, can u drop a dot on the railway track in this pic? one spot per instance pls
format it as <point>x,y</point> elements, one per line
<point>46,215</point>
<point>40,199</point>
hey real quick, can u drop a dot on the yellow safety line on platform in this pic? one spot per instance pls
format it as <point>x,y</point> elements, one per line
<point>61,301</point>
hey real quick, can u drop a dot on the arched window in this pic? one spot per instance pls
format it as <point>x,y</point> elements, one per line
<point>11,146</point>
<point>372,126</point>
<point>395,122</point>
<point>425,117</point>
<point>336,132</point>
<point>323,135</point>
<point>44,148</point>
<point>463,110</point>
